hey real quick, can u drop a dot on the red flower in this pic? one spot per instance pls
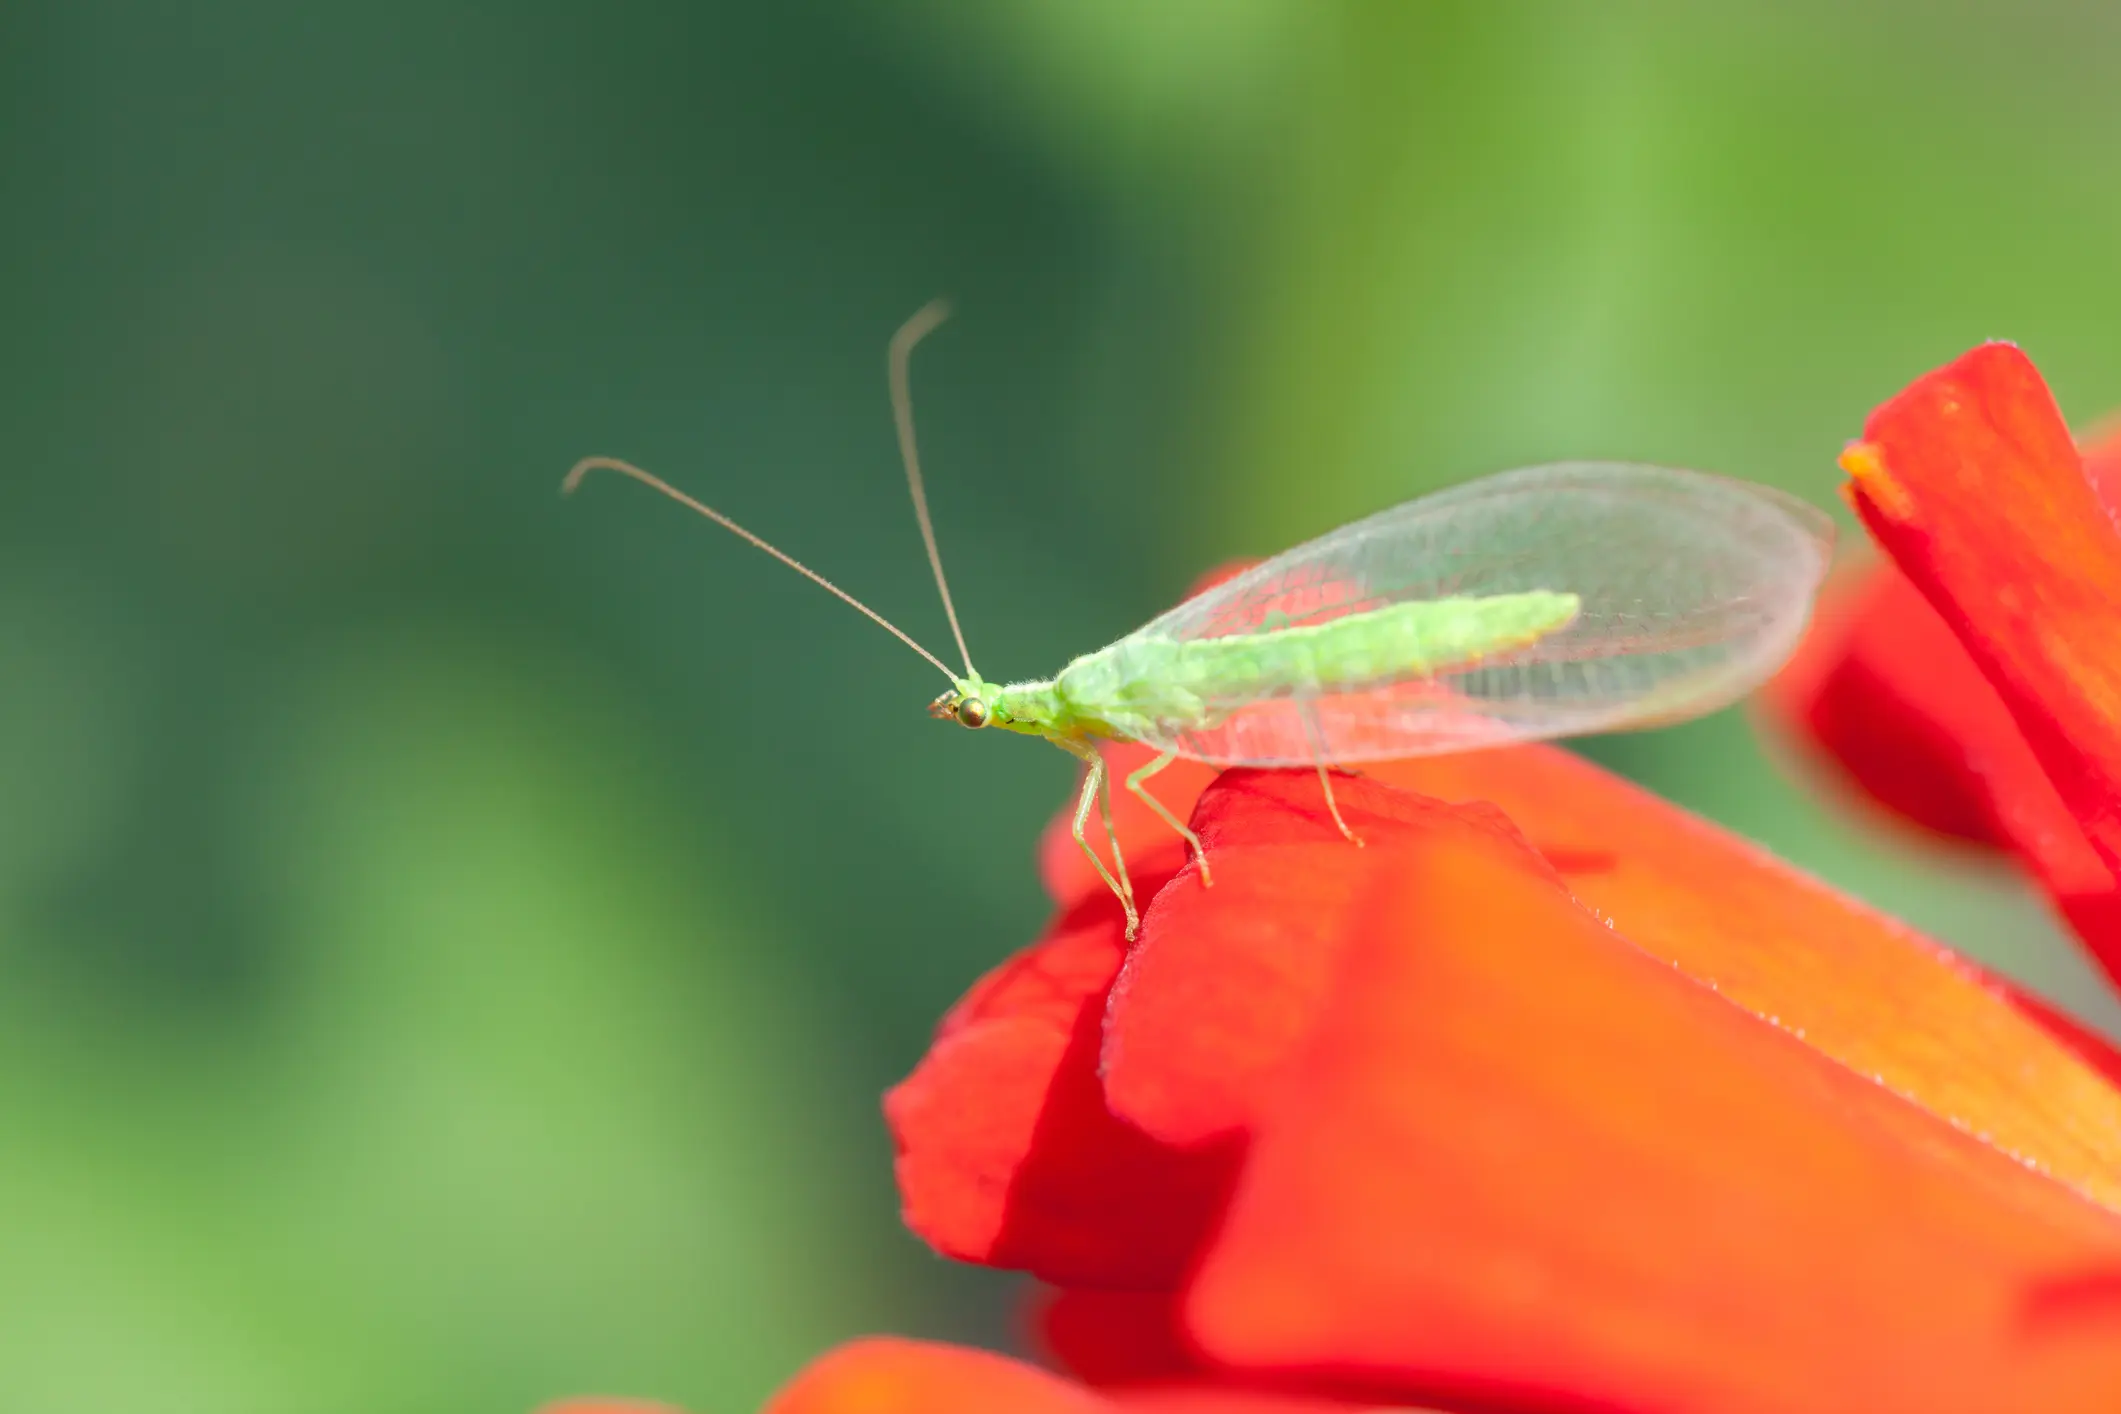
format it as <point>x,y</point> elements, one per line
<point>1553,1097</point>
<point>1752,1147</point>
<point>1985,704</point>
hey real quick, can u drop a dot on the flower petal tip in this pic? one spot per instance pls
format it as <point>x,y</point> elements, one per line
<point>1869,478</point>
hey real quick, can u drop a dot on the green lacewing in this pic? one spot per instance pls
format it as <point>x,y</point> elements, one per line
<point>1546,602</point>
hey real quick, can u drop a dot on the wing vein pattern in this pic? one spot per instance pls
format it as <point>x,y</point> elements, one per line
<point>1554,601</point>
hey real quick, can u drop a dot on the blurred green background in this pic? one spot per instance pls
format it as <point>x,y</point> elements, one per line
<point>451,939</point>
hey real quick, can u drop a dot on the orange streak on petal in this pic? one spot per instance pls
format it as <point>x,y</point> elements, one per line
<point>1854,984</point>
<point>885,1375</point>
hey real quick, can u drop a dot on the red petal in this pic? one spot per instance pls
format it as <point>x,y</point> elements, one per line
<point>1881,685</point>
<point>1519,1158</point>
<point>1115,1337</point>
<point>1228,979</point>
<point>1007,1154</point>
<point>1856,985</point>
<point>884,1375</point>
<point>1970,481</point>
<point>1938,1035</point>
<point>1887,689</point>
<point>1884,687</point>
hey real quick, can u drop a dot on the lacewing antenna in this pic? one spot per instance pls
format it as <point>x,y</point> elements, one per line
<point>909,334</point>
<point>586,465</point>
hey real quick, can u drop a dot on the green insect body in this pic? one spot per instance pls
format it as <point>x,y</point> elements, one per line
<point>1116,692</point>
<point>1147,682</point>
<point>1177,682</point>
<point>1547,602</point>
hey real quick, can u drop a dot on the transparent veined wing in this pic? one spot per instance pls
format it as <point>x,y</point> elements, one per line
<point>1692,590</point>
